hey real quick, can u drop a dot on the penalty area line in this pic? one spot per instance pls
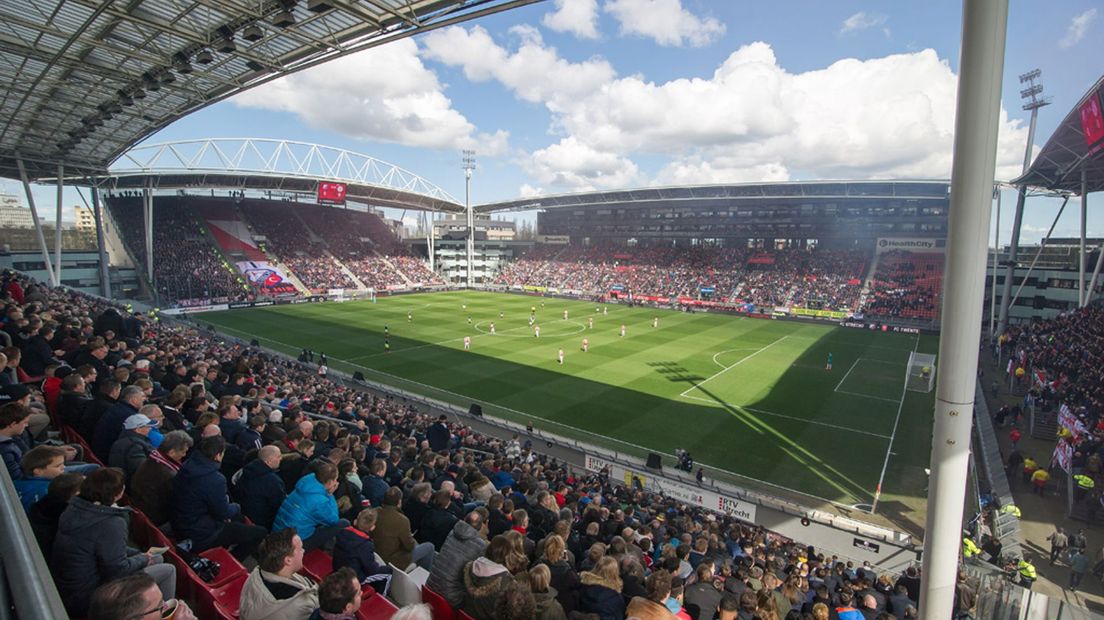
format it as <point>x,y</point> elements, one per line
<point>789,417</point>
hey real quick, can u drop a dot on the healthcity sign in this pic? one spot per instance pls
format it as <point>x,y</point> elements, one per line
<point>916,245</point>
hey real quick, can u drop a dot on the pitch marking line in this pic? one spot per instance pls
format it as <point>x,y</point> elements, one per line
<point>882,398</point>
<point>727,368</point>
<point>893,435</point>
<point>856,363</point>
<point>788,417</point>
<point>718,353</point>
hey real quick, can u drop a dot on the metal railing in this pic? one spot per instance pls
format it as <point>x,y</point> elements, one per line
<point>25,581</point>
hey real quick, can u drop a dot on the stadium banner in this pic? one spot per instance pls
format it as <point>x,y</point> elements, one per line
<point>653,298</point>
<point>396,287</point>
<point>264,274</point>
<point>1063,456</point>
<point>820,314</point>
<point>740,509</point>
<point>554,239</point>
<point>535,289</point>
<point>781,310</point>
<point>917,244</point>
<point>1071,423</point>
<point>195,309</point>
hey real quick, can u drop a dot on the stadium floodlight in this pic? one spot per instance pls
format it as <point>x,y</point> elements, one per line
<point>1030,76</point>
<point>226,46</point>
<point>254,65</point>
<point>204,57</point>
<point>150,83</point>
<point>283,19</point>
<point>319,6</point>
<point>138,92</point>
<point>181,64</point>
<point>252,33</point>
<point>125,98</point>
<point>167,77</point>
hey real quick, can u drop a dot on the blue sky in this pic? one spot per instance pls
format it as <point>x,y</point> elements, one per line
<point>570,95</point>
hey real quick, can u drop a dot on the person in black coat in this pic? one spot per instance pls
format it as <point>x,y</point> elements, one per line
<point>354,548</point>
<point>110,426</point>
<point>373,486</point>
<point>438,435</point>
<point>250,437</point>
<point>73,402</point>
<point>438,521</point>
<point>37,354</point>
<point>259,488</point>
<point>44,514</point>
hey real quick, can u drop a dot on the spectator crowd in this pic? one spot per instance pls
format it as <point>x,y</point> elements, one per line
<point>210,443</point>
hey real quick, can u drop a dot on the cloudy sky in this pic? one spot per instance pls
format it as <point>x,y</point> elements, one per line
<point>573,95</point>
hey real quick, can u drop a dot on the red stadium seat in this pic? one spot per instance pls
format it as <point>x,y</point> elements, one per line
<point>438,605</point>
<point>221,602</point>
<point>317,564</point>
<point>229,566</point>
<point>376,607</point>
<point>145,533</point>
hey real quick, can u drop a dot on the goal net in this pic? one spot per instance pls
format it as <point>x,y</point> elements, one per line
<point>921,372</point>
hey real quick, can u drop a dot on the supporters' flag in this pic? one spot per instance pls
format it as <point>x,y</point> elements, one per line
<point>1010,366</point>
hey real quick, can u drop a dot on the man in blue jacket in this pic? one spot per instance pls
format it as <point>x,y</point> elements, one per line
<point>311,508</point>
<point>259,487</point>
<point>202,512</point>
<point>110,425</point>
<point>373,485</point>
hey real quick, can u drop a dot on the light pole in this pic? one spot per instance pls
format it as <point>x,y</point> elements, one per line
<point>469,166</point>
<point>1033,103</point>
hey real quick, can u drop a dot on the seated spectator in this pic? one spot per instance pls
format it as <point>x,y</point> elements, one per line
<point>339,596</point>
<point>544,595</point>
<point>703,596</point>
<point>275,590</point>
<point>438,521</point>
<point>91,544</point>
<point>110,426</point>
<point>466,542</point>
<point>151,485</point>
<point>107,395</point>
<point>486,578</point>
<point>374,486</point>
<point>200,509</point>
<point>135,597</point>
<point>44,514</point>
<point>515,603</point>
<point>15,441</point>
<point>40,465</point>
<point>133,446</point>
<point>259,488</point>
<point>354,549</point>
<point>73,402</point>
<point>600,590</point>
<point>394,541</point>
<point>563,577</point>
<point>311,508</point>
<point>250,437</point>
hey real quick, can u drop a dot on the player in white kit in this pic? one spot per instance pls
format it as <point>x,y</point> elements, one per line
<point>622,330</point>
<point>655,321</point>
<point>561,356</point>
<point>590,323</point>
<point>467,343</point>
<point>492,329</point>
<point>586,345</point>
<point>536,331</point>
<point>565,315</point>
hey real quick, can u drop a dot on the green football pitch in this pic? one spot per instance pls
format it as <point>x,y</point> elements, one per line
<point>748,396</point>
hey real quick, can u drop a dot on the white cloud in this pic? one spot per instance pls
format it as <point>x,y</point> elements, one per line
<point>751,120</point>
<point>579,17</point>
<point>864,21</point>
<point>1079,25</point>
<point>528,191</point>
<point>383,94</point>
<point>571,163</point>
<point>665,21</point>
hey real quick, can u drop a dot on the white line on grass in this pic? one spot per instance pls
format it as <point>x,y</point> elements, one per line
<point>856,363</point>
<point>729,351</point>
<point>722,403</point>
<point>893,434</point>
<point>727,368</point>
<point>888,400</point>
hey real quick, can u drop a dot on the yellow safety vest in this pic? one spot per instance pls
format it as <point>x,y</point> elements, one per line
<point>1026,570</point>
<point>969,548</point>
<point>1011,509</point>
<point>1085,482</point>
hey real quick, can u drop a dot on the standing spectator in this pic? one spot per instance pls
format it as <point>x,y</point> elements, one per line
<point>275,590</point>
<point>354,549</point>
<point>394,541</point>
<point>259,488</point>
<point>200,508</point>
<point>438,435</point>
<point>965,597</point>
<point>339,596</point>
<point>1079,565</point>
<point>1059,542</point>
<point>438,520</point>
<point>151,485</point>
<point>91,544</point>
<point>311,508</point>
<point>466,542</point>
<point>133,446</point>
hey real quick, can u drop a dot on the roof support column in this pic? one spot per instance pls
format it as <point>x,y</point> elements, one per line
<point>1082,298</point>
<point>105,278</point>
<point>57,221</point>
<point>429,240</point>
<point>984,29</point>
<point>1096,273</point>
<point>37,223</point>
<point>996,258</point>
<point>147,211</point>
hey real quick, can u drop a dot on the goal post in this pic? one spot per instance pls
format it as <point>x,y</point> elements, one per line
<point>921,372</point>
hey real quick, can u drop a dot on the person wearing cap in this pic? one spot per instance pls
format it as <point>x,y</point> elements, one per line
<point>110,426</point>
<point>133,446</point>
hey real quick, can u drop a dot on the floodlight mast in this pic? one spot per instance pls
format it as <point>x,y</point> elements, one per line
<point>1033,102</point>
<point>977,115</point>
<point>469,166</point>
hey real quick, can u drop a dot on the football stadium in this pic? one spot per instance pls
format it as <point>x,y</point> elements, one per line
<point>272,378</point>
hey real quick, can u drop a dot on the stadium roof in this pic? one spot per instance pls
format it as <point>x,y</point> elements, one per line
<point>1067,154</point>
<point>276,165</point>
<point>703,194</point>
<point>81,81</point>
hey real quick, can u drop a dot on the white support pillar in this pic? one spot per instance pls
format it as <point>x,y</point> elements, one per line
<point>37,223</point>
<point>57,221</point>
<point>147,210</point>
<point>996,258</point>
<point>1096,273</point>
<point>1081,297</point>
<point>429,242</point>
<point>984,29</point>
<point>105,274</point>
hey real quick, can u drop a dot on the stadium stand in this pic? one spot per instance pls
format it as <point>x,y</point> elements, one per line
<point>288,238</point>
<point>582,543</point>
<point>906,285</point>
<point>185,265</point>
